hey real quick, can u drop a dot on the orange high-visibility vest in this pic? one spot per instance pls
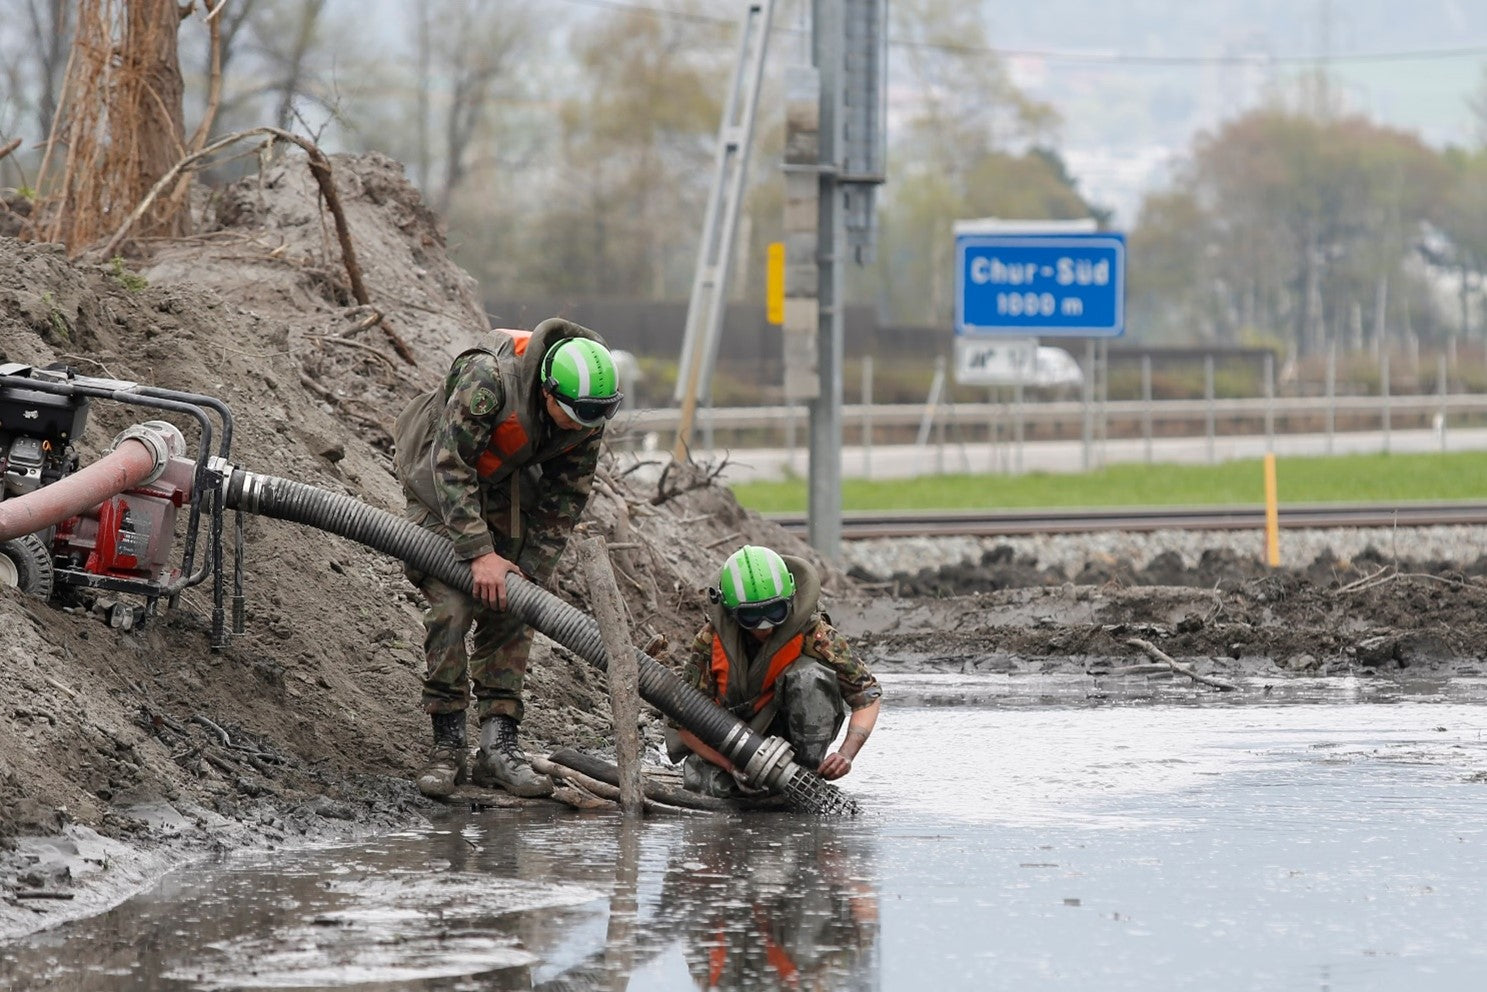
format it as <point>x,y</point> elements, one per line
<point>519,339</point>
<point>507,439</point>
<point>782,660</point>
<point>510,436</point>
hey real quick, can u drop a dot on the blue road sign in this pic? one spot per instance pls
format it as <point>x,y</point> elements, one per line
<point>1042,285</point>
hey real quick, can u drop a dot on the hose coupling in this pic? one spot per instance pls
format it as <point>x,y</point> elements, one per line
<point>771,765</point>
<point>164,440</point>
<point>241,489</point>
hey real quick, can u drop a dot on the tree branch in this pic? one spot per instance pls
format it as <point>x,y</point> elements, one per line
<point>1160,655</point>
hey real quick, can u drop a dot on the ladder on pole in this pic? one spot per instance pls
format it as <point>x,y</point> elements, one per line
<point>715,251</point>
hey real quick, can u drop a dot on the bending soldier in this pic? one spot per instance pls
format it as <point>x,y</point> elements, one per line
<point>500,459</point>
<point>771,657</point>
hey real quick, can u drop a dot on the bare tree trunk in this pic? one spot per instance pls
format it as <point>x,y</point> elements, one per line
<point>294,70</point>
<point>50,23</point>
<point>120,121</point>
<point>147,122</point>
<point>424,83</point>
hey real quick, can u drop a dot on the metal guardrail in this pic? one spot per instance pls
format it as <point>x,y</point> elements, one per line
<point>859,525</point>
<point>1073,412</point>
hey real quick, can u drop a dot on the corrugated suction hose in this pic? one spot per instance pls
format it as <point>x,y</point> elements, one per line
<point>767,761</point>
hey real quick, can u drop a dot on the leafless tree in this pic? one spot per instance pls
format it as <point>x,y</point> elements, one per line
<point>49,26</point>
<point>476,50</point>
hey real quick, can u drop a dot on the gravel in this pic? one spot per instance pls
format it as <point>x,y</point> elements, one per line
<point>883,557</point>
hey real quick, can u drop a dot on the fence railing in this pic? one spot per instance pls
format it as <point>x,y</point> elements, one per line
<point>764,426</point>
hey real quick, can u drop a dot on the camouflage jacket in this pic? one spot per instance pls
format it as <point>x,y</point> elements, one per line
<point>858,685</point>
<point>527,506</point>
<point>748,664</point>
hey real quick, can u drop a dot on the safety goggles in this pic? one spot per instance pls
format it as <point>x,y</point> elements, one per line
<point>755,615</point>
<point>589,412</point>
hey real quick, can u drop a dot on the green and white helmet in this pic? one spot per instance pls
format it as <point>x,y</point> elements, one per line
<point>756,587</point>
<point>753,575</point>
<point>580,375</point>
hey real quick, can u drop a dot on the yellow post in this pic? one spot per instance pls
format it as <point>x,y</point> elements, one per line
<point>774,283</point>
<point>1272,515</point>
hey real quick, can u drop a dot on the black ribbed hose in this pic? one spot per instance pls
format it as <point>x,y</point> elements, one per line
<point>433,554</point>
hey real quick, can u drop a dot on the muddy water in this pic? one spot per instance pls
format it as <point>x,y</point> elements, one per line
<point>1326,837</point>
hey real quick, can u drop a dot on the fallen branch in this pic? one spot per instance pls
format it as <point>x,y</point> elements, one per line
<point>1160,655</point>
<point>702,477</point>
<point>1363,582</point>
<point>359,346</point>
<point>198,718</point>
<point>601,789</point>
<point>1374,581</point>
<point>370,320</point>
<point>71,694</point>
<point>602,771</point>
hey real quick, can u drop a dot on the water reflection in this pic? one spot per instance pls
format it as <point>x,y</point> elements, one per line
<point>761,908</point>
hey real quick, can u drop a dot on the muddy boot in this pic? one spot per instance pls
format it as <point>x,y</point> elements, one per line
<point>502,764</point>
<point>446,764</point>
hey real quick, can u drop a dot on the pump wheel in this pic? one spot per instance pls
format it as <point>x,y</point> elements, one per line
<point>26,563</point>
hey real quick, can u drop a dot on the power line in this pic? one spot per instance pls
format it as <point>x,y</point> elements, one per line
<point>1257,60</point>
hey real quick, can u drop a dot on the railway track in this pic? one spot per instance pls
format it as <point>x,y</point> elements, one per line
<point>995,523</point>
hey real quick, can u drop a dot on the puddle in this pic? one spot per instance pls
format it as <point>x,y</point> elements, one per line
<point>1330,839</point>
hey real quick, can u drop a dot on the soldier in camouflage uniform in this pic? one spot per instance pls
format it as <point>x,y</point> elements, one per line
<point>770,657</point>
<point>500,459</point>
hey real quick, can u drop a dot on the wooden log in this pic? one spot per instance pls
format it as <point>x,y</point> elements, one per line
<point>604,791</point>
<point>597,768</point>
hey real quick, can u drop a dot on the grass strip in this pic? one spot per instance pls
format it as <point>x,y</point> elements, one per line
<point>1373,478</point>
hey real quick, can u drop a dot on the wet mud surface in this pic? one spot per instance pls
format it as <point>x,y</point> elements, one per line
<point>1368,615</point>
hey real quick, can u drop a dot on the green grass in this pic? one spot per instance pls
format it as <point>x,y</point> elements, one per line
<point>1340,479</point>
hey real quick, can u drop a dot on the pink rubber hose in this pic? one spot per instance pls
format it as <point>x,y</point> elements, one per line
<point>128,465</point>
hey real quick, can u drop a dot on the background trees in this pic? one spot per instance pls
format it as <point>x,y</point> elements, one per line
<point>570,147</point>
<point>1294,228</point>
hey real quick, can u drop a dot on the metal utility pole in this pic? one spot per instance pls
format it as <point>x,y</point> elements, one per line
<point>849,46</point>
<point>715,253</point>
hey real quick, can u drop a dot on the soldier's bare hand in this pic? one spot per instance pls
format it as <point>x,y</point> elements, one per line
<point>489,573</point>
<point>834,765</point>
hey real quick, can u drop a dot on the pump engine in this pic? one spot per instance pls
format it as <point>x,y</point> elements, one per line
<point>116,531</point>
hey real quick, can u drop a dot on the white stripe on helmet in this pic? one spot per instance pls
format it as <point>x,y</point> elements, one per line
<point>776,565</point>
<point>737,575</point>
<point>579,359</point>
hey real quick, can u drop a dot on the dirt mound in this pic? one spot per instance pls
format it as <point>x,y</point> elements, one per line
<point>1001,567</point>
<point>309,720</point>
<point>1370,614</point>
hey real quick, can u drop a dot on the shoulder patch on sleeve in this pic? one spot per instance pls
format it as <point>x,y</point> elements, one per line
<point>482,401</point>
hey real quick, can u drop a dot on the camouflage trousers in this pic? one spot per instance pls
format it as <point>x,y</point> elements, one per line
<point>495,666</point>
<point>809,716</point>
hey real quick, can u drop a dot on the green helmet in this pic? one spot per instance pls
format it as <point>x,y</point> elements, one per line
<point>581,376</point>
<point>580,369</point>
<point>753,575</point>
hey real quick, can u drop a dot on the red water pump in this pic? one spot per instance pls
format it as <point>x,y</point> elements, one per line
<point>70,533</point>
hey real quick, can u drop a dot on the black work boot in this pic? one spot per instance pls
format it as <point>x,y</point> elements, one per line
<point>446,764</point>
<point>502,764</point>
